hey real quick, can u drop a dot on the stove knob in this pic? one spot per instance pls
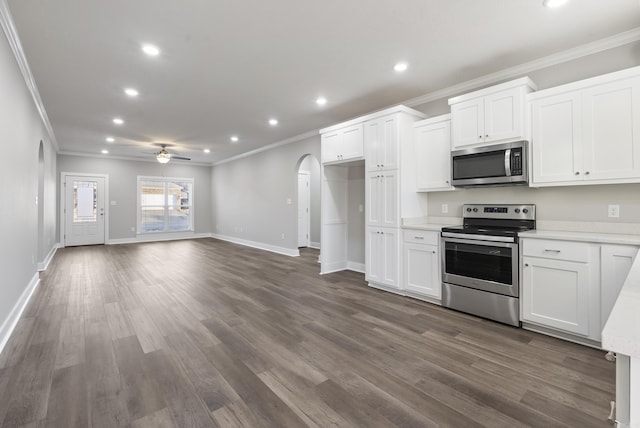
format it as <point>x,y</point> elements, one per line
<point>475,210</point>
<point>517,210</point>
<point>468,210</point>
<point>524,210</point>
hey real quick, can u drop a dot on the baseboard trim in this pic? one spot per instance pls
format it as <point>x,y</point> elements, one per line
<point>356,267</point>
<point>42,266</point>
<point>158,237</point>
<point>259,245</point>
<point>10,323</point>
<point>315,245</point>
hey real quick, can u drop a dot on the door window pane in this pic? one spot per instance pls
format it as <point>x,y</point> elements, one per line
<point>85,195</point>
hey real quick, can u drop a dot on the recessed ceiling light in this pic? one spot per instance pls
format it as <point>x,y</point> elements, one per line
<point>273,122</point>
<point>104,152</point>
<point>118,121</point>
<point>234,138</point>
<point>131,92</point>
<point>207,151</point>
<point>110,139</point>
<point>151,50</point>
<point>321,101</point>
<point>553,3</point>
<point>401,66</point>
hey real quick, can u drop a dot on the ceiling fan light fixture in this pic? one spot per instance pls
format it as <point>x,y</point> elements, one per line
<point>163,156</point>
<point>553,3</point>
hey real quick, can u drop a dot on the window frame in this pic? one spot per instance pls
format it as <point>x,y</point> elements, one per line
<point>165,181</point>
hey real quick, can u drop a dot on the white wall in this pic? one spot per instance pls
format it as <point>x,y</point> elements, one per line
<point>123,188</point>
<point>250,195</point>
<point>20,135</point>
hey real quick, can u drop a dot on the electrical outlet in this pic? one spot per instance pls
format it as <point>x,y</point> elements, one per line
<point>282,236</point>
<point>133,229</point>
<point>289,201</point>
<point>360,208</point>
<point>614,211</point>
<point>445,208</point>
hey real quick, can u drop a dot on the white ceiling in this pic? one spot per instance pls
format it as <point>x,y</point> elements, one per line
<point>226,67</point>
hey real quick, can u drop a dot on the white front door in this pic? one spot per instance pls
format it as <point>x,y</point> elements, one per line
<point>84,210</point>
<point>303,208</point>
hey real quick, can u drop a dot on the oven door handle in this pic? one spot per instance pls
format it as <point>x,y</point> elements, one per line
<point>470,238</point>
<point>484,243</point>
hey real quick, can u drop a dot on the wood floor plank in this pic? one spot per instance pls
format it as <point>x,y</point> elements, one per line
<point>68,399</point>
<point>206,333</point>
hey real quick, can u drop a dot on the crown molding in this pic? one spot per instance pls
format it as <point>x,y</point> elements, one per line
<point>291,140</point>
<point>129,158</point>
<point>528,67</point>
<point>6,21</point>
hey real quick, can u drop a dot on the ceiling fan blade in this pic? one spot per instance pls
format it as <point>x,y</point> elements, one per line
<point>179,157</point>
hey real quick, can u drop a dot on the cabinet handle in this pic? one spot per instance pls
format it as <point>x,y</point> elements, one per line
<point>486,136</point>
<point>480,137</point>
<point>551,251</point>
<point>577,172</point>
<point>434,251</point>
<point>586,173</point>
<point>447,181</point>
<point>418,237</point>
<point>526,265</point>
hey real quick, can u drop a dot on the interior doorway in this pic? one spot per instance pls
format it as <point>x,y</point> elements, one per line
<point>308,201</point>
<point>304,208</point>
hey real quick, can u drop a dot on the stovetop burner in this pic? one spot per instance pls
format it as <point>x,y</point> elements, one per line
<point>495,220</point>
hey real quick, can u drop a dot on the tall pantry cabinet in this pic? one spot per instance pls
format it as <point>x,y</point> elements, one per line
<point>384,134</point>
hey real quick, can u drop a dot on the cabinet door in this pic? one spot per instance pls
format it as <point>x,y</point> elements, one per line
<point>374,188</point>
<point>373,250</point>
<point>616,261</point>
<point>381,140</point>
<point>389,199</point>
<point>352,142</point>
<point>503,115</point>
<point>557,139</point>
<point>611,130</point>
<point>467,122</point>
<point>433,157</point>
<point>390,257</point>
<point>421,273</point>
<point>555,293</point>
<point>329,144</point>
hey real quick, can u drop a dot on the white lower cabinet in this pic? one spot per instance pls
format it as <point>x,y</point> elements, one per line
<point>570,286</point>
<point>421,264</point>
<point>383,257</point>
<point>555,293</point>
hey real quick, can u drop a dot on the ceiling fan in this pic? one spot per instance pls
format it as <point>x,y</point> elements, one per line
<point>163,156</point>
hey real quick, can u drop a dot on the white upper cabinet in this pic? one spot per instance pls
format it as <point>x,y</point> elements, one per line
<point>341,145</point>
<point>587,132</point>
<point>494,114</point>
<point>432,139</point>
<point>383,149</point>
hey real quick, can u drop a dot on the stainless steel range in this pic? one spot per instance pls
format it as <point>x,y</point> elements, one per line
<point>480,267</point>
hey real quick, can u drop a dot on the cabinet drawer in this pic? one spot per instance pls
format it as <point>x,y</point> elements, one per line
<point>426,237</point>
<point>552,249</point>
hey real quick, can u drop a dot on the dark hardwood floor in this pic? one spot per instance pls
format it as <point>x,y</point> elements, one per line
<point>204,333</point>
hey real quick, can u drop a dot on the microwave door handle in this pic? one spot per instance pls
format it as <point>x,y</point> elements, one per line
<point>507,162</point>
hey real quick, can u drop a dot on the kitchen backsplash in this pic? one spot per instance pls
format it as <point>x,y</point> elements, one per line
<point>553,204</point>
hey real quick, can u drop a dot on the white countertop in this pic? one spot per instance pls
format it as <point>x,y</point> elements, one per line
<point>602,238</point>
<point>621,333</point>
<point>425,226</point>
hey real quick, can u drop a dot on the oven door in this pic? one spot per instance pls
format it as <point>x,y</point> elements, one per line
<point>482,265</point>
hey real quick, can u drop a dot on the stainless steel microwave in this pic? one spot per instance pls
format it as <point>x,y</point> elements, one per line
<point>497,165</point>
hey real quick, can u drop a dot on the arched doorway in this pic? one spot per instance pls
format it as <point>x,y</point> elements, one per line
<point>308,197</point>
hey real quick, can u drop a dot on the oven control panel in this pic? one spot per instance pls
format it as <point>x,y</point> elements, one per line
<point>500,211</point>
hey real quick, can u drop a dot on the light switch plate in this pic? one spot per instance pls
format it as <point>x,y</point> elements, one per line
<point>614,211</point>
